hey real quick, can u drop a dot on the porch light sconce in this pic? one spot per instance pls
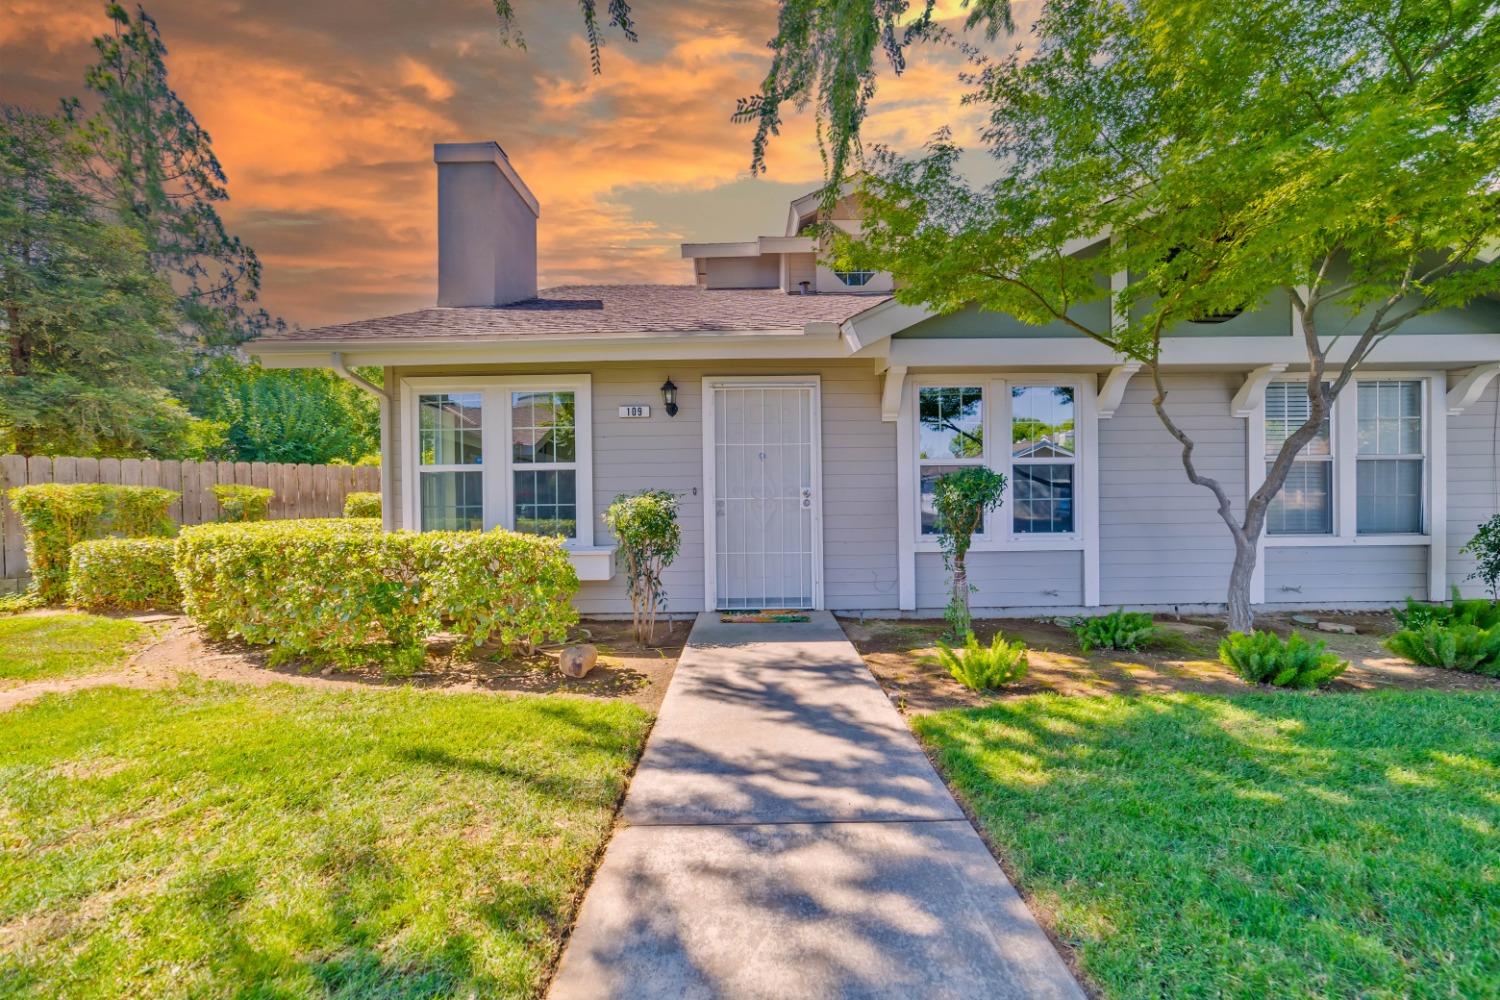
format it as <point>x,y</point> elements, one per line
<point>669,397</point>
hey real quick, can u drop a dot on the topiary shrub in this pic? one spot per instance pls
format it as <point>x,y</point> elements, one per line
<point>343,591</point>
<point>361,504</point>
<point>1265,658</point>
<point>1459,646</point>
<point>961,499</point>
<point>58,516</point>
<point>647,534</point>
<point>1120,629</point>
<point>982,668</point>
<point>238,504</point>
<point>123,574</point>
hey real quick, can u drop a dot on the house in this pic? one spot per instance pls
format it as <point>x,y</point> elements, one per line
<point>803,415</point>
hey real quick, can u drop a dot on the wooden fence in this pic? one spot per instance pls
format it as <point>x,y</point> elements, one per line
<point>301,490</point>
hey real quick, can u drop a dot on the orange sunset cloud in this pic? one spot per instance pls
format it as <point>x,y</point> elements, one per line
<point>324,117</point>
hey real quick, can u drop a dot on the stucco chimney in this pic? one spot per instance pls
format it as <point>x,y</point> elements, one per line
<point>486,227</point>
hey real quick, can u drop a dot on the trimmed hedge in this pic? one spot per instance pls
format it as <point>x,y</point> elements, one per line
<point>123,574</point>
<point>362,505</point>
<point>342,590</point>
<point>58,516</point>
<point>238,503</point>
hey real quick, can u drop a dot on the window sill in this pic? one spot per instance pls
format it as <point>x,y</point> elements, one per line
<point>1324,541</point>
<point>1064,544</point>
<point>593,562</point>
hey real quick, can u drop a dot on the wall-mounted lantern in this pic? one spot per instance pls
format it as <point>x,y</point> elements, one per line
<point>669,397</point>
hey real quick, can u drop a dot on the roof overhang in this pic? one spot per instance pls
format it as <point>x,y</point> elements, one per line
<point>750,248</point>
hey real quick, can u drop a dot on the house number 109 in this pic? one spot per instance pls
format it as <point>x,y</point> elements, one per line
<point>635,410</point>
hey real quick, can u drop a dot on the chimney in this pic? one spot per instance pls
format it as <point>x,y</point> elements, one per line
<point>486,227</point>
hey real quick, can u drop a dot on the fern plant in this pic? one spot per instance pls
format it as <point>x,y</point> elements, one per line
<point>985,668</point>
<point>1459,646</point>
<point>1265,658</point>
<point>1120,629</point>
<point>1474,611</point>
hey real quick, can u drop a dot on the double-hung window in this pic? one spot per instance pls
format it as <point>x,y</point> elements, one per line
<point>950,435</point>
<point>1391,458</point>
<point>509,451</point>
<point>1044,459</point>
<point>1364,473</point>
<point>1305,504</point>
<point>1035,422</point>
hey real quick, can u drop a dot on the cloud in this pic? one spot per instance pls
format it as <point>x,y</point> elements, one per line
<point>324,116</point>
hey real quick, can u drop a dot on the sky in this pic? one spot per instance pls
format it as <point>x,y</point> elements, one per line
<point>323,114</point>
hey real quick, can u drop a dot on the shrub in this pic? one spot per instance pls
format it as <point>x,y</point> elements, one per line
<point>1458,646</point>
<point>238,504</point>
<point>961,500</point>
<point>1265,658</point>
<point>342,590</point>
<point>1461,611</point>
<point>362,505</point>
<point>1120,629</point>
<point>58,516</point>
<point>985,668</point>
<point>1485,548</point>
<point>646,530</point>
<point>123,574</point>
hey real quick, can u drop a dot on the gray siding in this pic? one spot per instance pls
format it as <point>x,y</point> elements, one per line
<point>859,472</point>
<point>1161,539</point>
<point>1473,481</point>
<point>1015,579</point>
<point>1335,575</point>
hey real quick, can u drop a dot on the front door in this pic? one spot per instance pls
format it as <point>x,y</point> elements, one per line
<point>762,479</point>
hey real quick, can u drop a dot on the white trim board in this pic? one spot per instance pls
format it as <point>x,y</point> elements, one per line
<point>710,475</point>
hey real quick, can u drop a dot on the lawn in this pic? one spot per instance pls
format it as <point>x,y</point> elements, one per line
<point>40,647</point>
<point>1258,845</point>
<point>214,840</point>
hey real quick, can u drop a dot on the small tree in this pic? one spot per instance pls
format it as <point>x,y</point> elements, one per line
<point>646,530</point>
<point>962,498</point>
<point>1485,548</point>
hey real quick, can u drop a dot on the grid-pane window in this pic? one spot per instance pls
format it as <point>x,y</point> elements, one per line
<point>544,462</point>
<point>950,435</point>
<point>450,453</point>
<point>1391,457</point>
<point>1043,441</point>
<point>1305,504</point>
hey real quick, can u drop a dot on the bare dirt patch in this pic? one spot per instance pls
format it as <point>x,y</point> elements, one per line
<point>626,670</point>
<point>903,657</point>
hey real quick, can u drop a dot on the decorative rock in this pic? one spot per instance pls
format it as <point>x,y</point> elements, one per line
<point>1304,620</point>
<point>1338,627</point>
<point>577,661</point>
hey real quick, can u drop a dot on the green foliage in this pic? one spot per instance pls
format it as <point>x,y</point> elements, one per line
<point>1265,658</point>
<point>1460,611</point>
<point>86,341</point>
<point>58,516</point>
<point>647,536</point>
<point>342,590</point>
<point>238,503</point>
<point>1485,548</point>
<point>1120,629</point>
<point>123,574</point>
<point>12,604</point>
<point>285,415</point>
<point>985,668</point>
<point>1458,646</point>
<point>361,504</point>
<point>961,499</point>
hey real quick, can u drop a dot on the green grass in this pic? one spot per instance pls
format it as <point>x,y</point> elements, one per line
<point>1262,845</point>
<point>38,647</point>
<point>226,841</point>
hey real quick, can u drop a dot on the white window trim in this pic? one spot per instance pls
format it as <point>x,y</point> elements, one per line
<point>1345,430</point>
<point>495,424</point>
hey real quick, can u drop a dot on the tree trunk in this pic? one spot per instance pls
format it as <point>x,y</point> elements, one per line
<point>959,599</point>
<point>1241,619</point>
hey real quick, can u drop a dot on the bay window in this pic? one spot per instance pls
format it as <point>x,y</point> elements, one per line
<point>508,451</point>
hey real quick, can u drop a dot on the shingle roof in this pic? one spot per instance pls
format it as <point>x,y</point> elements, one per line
<point>601,310</point>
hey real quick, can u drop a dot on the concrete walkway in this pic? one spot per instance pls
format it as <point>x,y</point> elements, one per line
<point>785,837</point>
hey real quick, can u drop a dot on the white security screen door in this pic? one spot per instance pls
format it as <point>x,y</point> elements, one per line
<point>763,483</point>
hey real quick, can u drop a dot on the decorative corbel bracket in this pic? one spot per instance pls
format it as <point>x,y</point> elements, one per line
<point>890,395</point>
<point>1253,392</point>
<point>1113,390</point>
<point>1466,391</point>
